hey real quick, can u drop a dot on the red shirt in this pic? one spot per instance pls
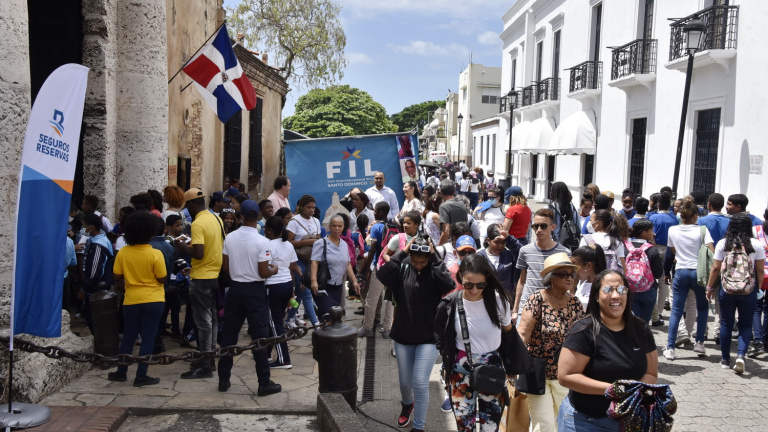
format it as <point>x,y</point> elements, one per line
<point>521,219</point>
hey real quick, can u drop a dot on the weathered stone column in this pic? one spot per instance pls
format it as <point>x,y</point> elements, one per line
<point>142,99</point>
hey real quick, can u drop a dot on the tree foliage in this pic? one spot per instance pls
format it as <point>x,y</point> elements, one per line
<point>412,115</point>
<point>303,37</point>
<point>338,110</point>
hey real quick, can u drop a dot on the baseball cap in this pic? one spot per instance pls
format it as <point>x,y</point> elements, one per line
<point>219,196</point>
<point>249,206</point>
<point>193,193</point>
<point>513,191</point>
<point>609,194</point>
<point>465,242</point>
<point>233,192</point>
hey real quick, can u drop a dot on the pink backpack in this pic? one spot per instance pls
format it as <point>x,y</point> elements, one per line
<point>402,239</point>
<point>638,271</point>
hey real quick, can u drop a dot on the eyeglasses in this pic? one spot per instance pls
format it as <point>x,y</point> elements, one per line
<point>479,285</point>
<point>607,289</point>
<point>491,197</point>
<point>419,248</point>
<point>464,252</point>
<point>542,226</point>
<point>565,275</point>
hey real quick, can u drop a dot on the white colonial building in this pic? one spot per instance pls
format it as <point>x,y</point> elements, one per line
<point>599,91</point>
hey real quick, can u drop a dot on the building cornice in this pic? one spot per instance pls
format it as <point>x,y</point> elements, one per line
<point>256,69</point>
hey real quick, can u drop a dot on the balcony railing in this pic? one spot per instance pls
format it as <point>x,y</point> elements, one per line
<point>586,76</point>
<point>548,89</point>
<point>636,57</point>
<point>530,95</point>
<point>503,104</point>
<point>720,33</point>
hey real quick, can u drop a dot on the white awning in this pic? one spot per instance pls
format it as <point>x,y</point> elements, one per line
<point>575,135</point>
<point>519,134</point>
<point>539,135</point>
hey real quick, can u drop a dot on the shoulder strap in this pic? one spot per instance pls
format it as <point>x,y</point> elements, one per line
<point>464,330</point>
<point>325,249</point>
<point>703,233</point>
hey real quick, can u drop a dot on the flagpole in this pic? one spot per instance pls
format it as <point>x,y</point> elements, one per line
<point>198,50</point>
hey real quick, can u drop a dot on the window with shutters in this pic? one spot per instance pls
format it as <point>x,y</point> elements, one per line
<point>255,163</point>
<point>637,155</point>
<point>233,139</point>
<point>705,158</point>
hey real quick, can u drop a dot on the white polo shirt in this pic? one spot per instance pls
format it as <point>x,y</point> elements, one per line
<point>246,248</point>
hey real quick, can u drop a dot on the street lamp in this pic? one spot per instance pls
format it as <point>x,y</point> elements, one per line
<point>458,155</point>
<point>694,30</point>
<point>511,103</point>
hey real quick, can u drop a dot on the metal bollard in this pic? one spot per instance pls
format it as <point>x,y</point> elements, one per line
<point>334,347</point>
<point>104,313</point>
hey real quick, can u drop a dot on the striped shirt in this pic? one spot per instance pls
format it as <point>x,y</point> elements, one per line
<point>531,258</point>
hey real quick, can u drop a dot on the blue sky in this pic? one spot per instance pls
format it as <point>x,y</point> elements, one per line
<point>403,52</point>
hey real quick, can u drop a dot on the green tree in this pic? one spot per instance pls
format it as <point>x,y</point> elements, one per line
<point>338,110</point>
<point>412,115</point>
<point>304,37</point>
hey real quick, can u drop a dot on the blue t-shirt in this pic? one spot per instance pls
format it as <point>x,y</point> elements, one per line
<point>756,221</point>
<point>584,229</point>
<point>377,233</point>
<point>717,224</point>
<point>661,224</point>
<point>635,219</point>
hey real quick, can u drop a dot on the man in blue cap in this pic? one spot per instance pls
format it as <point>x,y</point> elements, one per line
<point>465,246</point>
<point>218,202</point>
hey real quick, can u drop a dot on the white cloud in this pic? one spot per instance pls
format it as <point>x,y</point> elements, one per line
<point>431,49</point>
<point>356,58</point>
<point>489,38</point>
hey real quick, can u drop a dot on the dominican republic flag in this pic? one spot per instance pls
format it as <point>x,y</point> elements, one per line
<point>220,79</point>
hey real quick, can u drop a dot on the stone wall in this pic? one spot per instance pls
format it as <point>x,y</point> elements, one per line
<point>14,111</point>
<point>193,128</point>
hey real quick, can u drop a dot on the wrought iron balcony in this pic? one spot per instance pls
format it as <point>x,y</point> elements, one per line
<point>586,76</point>
<point>530,95</point>
<point>636,57</point>
<point>548,90</point>
<point>720,33</point>
<point>503,105</point>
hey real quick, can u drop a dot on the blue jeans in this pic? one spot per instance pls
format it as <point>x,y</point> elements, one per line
<point>570,420</point>
<point>760,323</point>
<point>643,303</point>
<point>140,319</point>
<point>745,304</point>
<point>414,365</point>
<point>685,279</point>
<point>304,296</point>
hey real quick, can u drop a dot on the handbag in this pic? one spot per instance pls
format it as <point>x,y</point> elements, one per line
<point>323,272</point>
<point>304,253</point>
<point>533,382</point>
<point>639,406</point>
<point>485,379</point>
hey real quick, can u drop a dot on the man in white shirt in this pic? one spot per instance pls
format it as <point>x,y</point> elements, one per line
<point>378,192</point>
<point>279,197</point>
<point>246,259</point>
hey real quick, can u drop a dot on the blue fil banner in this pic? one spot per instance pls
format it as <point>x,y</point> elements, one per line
<point>46,177</point>
<point>322,166</point>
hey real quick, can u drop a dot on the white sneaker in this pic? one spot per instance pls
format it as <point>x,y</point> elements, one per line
<point>300,322</point>
<point>290,325</point>
<point>698,348</point>
<point>669,354</point>
<point>739,366</point>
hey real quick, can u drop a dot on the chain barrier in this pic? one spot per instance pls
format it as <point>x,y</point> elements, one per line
<point>55,352</point>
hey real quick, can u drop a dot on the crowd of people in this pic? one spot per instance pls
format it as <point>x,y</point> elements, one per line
<point>457,269</point>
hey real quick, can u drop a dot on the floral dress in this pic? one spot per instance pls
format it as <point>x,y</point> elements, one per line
<point>551,328</point>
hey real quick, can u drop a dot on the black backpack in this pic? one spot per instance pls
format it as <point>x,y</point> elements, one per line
<point>570,234</point>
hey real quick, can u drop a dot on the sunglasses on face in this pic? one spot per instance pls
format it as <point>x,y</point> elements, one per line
<point>419,248</point>
<point>479,285</point>
<point>607,289</point>
<point>463,253</point>
<point>542,226</point>
<point>565,275</point>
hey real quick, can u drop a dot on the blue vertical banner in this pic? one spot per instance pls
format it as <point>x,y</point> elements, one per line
<point>322,166</point>
<point>46,177</point>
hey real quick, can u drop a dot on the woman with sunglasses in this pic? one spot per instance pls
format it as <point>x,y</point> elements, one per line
<point>487,308</point>
<point>609,344</point>
<point>417,279</point>
<point>546,319</point>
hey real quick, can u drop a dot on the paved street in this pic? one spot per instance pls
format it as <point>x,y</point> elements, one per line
<point>709,398</point>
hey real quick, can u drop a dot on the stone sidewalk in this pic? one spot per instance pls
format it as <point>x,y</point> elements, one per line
<point>709,398</point>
